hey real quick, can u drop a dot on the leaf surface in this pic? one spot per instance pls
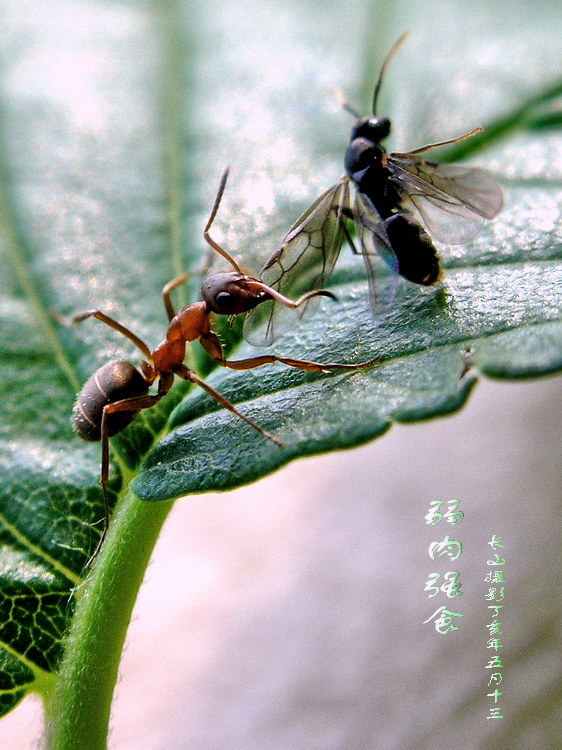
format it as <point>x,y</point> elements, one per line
<point>117,119</point>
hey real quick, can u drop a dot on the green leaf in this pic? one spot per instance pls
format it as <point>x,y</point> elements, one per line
<point>497,313</point>
<point>116,121</point>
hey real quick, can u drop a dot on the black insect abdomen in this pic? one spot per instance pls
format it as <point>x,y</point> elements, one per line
<point>415,252</point>
<point>111,383</point>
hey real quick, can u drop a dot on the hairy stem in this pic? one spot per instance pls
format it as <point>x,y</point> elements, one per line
<point>81,705</point>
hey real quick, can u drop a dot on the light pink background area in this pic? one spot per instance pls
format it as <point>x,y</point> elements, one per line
<point>289,614</point>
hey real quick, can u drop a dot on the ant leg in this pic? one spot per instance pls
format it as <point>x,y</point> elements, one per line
<point>186,374</point>
<point>211,343</point>
<point>301,364</point>
<point>208,239</point>
<point>139,343</point>
<point>166,293</point>
<point>136,404</point>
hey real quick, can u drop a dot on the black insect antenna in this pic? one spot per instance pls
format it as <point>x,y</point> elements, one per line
<point>385,64</point>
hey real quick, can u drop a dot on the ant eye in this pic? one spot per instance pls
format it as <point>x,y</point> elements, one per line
<point>227,303</point>
<point>224,301</point>
<point>216,295</point>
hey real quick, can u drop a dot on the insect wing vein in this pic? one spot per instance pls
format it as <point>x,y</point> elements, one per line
<point>452,200</point>
<point>304,261</point>
<point>374,241</point>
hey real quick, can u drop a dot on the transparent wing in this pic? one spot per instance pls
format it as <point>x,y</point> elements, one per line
<point>373,241</point>
<point>452,200</point>
<point>304,261</point>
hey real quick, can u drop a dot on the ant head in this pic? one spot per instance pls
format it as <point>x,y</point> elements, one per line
<point>374,129</point>
<point>231,293</point>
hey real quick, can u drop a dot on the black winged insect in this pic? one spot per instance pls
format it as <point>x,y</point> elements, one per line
<point>396,202</point>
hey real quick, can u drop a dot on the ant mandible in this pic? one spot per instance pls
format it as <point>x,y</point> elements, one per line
<point>118,391</point>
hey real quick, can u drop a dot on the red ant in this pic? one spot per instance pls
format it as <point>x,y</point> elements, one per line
<point>118,391</point>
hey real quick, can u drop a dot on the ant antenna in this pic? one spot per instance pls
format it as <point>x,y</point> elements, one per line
<point>220,193</point>
<point>208,238</point>
<point>387,60</point>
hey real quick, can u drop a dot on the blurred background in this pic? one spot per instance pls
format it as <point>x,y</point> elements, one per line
<point>290,613</point>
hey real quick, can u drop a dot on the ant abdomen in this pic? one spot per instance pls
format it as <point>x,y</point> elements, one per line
<point>113,382</point>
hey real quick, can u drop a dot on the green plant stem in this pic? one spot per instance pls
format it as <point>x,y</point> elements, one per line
<point>81,703</point>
